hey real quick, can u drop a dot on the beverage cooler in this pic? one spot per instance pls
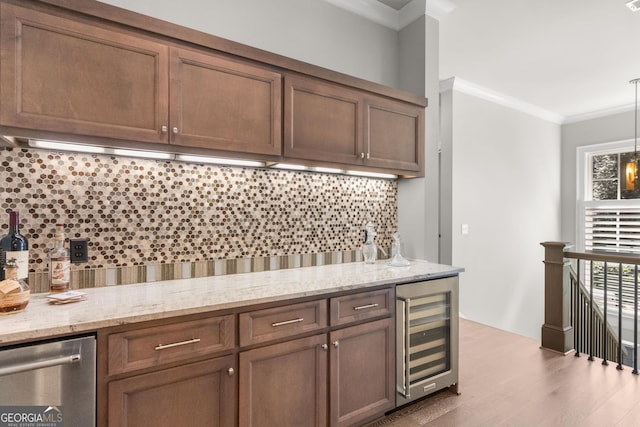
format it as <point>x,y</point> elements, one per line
<point>427,338</point>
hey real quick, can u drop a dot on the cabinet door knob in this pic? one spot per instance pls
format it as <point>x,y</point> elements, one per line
<point>324,347</point>
<point>230,371</point>
<point>362,155</point>
<point>336,344</point>
<point>163,129</point>
<point>368,155</point>
<point>175,130</point>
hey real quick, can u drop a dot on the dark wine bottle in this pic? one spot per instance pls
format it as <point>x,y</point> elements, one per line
<point>15,245</point>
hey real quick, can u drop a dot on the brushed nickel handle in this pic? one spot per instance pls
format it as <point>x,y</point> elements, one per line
<point>30,366</point>
<point>368,155</point>
<point>336,344</point>
<point>364,307</point>
<point>164,129</point>
<point>177,344</point>
<point>362,155</point>
<point>230,371</point>
<point>324,347</point>
<point>287,322</point>
<point>175,130</point>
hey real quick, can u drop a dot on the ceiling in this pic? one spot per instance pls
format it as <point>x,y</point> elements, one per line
<point>571,58</point>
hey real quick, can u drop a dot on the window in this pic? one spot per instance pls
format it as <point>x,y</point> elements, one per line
<point>609,216</point>
<point>611,208</point>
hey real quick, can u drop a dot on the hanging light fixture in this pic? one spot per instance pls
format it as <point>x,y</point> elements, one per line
<point>631,171</point>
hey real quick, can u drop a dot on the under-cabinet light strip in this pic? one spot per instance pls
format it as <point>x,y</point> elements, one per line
<point>290,166</point>
<point>372,174</point>
<point>219,161</point>
<point>144,154</point>
<point>66,146</point>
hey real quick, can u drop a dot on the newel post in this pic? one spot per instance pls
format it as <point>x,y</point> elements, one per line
<point>557,332</point>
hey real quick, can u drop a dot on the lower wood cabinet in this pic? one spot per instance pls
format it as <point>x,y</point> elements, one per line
<point>361,373</point>
<point>287,384</point>
<point>317,363</point>
<point>197,394</point>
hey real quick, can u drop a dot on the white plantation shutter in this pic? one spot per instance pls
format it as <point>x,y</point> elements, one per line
<point>612,226</point>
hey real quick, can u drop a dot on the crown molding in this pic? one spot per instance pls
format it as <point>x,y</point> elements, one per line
<point>599,113</point>
<point>463,86</point>
<point>438,9</point>
<point>384,15</point>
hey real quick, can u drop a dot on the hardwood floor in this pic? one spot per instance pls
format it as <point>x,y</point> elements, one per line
<point>507,380</point>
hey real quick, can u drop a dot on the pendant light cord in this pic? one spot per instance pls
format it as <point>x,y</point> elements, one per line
<point>635,137</point>
<point>635,143</point>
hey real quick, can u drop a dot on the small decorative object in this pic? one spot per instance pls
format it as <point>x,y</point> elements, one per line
<point>369,249</point>
<point>14,292</point>
<point>397,260</point>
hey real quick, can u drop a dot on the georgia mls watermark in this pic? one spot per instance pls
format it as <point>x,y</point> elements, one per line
<point>31,416</point>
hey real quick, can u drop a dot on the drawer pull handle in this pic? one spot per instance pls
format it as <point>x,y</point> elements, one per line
<point>287,322</point>
<point>177,344</point>
<point>364,307</point>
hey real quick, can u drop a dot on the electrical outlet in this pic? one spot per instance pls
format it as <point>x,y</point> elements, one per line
<point>79,250</point>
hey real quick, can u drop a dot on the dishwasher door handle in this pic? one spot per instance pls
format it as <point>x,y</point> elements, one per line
<point>30,366</point>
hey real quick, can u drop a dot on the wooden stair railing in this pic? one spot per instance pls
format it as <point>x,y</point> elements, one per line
<point>605,343</point>
<point>573,320</point>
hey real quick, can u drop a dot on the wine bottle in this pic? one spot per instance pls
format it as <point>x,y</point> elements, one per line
<point>15,245</point>
<point>59,263</point>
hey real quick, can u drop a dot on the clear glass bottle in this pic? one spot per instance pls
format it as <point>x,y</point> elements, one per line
<point>14,293</point>
<point>15,245</point>
<point>59,263</point>
<point>369,248</point>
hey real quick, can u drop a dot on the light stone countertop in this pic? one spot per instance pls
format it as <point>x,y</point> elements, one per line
<point>117,305</point>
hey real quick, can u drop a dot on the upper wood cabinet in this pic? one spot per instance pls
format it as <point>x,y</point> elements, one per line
<point>393,134</point>
<point>330,122</point>
<point>108,76</point>
<point>62,75</point>
<point>66,76</point>
<point>322,121</point>
<point>223,104</point>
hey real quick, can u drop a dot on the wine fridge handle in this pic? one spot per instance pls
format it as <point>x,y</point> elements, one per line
<point>406,386</point>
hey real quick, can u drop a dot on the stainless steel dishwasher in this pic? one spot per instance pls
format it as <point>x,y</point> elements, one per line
<point>53,381</point>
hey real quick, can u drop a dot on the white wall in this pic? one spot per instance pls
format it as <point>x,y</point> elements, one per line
<point>312,31</point>
<point>504,172</point>
<point>418,208</point>
<point>613,128</point>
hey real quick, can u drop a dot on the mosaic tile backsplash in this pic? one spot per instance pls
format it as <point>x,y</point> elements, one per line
<point>153,217</point>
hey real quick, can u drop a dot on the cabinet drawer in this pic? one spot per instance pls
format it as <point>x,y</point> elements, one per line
<point>364,305</point>
<point>280,322</point>
<point>155,346</point>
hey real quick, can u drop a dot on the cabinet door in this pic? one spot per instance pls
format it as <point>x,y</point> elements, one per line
<point>285,384</point>
<point>65,76</point>
<point>394,135</point>
<point>322,121</point>
<point>362,383</point>
<point>199,394</point>
<point>225,105</point>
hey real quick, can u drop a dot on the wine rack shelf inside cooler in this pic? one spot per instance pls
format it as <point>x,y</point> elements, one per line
<point>428,332</point>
